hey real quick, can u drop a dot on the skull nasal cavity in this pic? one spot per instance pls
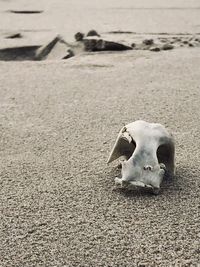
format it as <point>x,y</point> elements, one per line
<point>148,168</point>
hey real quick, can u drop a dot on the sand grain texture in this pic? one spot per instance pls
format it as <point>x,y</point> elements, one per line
<point>58,204</point>
<point>58,122</point>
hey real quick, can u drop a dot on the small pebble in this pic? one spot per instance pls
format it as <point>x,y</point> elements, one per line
<point>148,41</point>
<point>167,47</point>
<point>93,33</point>
<point>154,49</point>
<point>70,53</point>
<point>162,40</point>
<point>79,36</point>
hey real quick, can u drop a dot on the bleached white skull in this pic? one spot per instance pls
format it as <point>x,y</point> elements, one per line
<point>148,153</point>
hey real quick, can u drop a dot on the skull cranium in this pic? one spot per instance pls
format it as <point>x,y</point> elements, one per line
<point>148,152</point>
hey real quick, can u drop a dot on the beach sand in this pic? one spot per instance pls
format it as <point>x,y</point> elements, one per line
<point>59,120</point>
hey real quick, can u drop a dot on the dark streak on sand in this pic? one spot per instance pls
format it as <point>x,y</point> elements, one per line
<point>14,36</point>
<point>151,33</point>
<point>26,11</point>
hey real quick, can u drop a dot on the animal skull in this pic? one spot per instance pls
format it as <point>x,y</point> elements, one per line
<point>148,152</point>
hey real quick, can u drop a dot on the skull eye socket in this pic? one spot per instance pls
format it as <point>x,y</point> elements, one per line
<point>165,154</point>
<point>128,148</point>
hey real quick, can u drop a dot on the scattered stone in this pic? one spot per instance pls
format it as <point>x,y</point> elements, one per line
<point>167,47</point>
<point>148,41</point>
<point>79,36</point>
<point>15,35</point>
<point>154,49</point>
<point>95,45</point>
<point>70,54</point>
<point>45,50</point>
<point>178,39</point>
<point>60,49</point>
<point>163,40</point>
<point>56,49</point>
<point>92,33</point>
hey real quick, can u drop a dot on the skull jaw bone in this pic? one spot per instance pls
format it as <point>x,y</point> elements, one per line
<point>153,182</point>
<point>146,177</point>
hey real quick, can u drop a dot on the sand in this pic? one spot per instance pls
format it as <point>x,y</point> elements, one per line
<point>58,122</point>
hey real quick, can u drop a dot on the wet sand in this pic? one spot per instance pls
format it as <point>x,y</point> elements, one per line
<point>58,122</point>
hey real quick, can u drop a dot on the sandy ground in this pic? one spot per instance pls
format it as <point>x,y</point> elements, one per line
<point>68,17</point>
<point>58,123</point>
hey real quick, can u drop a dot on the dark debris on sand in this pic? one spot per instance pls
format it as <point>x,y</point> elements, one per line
<point>58,48</point>
<point>19,53</point>
<point>148,41</point>
<point>93,33</point>
<point>95,45</point>
<point>26,11</point>
<point>14,36</point>
<point>167,47</point>
<point>79,36</point>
